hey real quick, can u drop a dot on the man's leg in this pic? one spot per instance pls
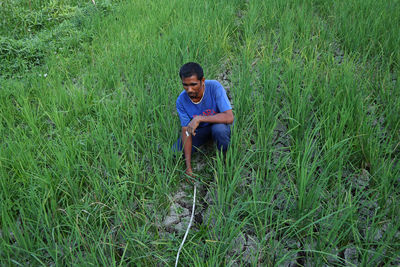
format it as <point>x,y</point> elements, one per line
<point>202,136</point>
<point>221,134</point>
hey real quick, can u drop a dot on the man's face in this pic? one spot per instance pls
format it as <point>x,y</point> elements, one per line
<point>194,87</point>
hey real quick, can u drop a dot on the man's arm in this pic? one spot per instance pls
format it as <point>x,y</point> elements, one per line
<point>225,117</point>
<point>187,150</point>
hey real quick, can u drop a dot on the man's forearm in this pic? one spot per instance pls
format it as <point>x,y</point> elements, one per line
<point>187,148</point>
<point>223,117</point>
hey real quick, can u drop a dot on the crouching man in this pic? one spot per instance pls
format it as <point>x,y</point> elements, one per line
<point>204,111</point>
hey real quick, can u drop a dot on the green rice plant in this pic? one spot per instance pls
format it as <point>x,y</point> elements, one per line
<point>375,39</point>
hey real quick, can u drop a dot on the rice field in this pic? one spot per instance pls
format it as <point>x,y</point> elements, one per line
<point>88,119</point>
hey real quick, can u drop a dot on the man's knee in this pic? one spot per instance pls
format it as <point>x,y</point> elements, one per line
<point>221,134</point>
<point>219,129</point>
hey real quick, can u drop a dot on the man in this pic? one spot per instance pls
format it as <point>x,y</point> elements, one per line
<point>204,111</point>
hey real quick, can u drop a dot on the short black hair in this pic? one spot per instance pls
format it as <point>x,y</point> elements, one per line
<point>191,68</point>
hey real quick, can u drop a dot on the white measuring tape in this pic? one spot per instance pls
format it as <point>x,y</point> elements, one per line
<point>190,222</point>
<point>187,230</point>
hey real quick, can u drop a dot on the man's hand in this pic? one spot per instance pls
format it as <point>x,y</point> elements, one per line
<point>191,175</point>
<point>189,172</point>
<point>193,124</point>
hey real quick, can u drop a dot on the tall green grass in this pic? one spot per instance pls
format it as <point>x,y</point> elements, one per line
<point>367,28</point>
<point>31,31</point>
<point>87,172</point>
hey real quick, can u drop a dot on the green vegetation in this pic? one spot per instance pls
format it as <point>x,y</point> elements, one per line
<point>88,118</point>
<point>32,30</point>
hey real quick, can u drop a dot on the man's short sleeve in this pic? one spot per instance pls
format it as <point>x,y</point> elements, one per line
<point>183,116</point>
<point>222,100</point>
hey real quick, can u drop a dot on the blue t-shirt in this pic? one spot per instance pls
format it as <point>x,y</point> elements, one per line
<point>214,101</point>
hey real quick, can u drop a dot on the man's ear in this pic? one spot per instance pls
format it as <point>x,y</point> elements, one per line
<point>203,79</point>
